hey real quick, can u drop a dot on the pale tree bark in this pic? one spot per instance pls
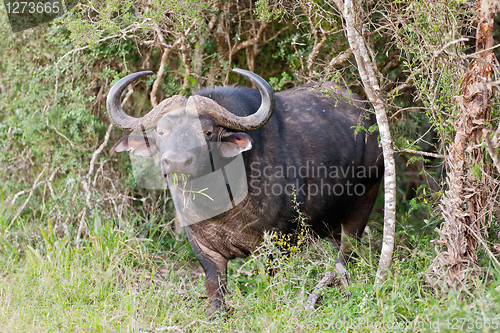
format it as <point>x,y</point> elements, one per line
<point>368,76</point>
<point>469,198</point>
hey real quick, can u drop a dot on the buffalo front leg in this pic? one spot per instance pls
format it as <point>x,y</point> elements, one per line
<point>215,267</point>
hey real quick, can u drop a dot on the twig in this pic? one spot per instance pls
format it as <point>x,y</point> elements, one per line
<point>487,49</point>
<point>178,328</point>
<point>491,149</point>
<point>405,84</point>
<point>36,184</point>
<point>423,153</point>
<point>99,150</point>
<point>276,35</point>
<point>328,279</point>
<point>92,163</point>
<point>340,58</point>
<point>65,137</point>
<point>122,34</point>
<point>441,50</point>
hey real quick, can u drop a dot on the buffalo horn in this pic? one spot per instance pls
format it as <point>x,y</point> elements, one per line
<point>227,119</point>
<point>123,120</point>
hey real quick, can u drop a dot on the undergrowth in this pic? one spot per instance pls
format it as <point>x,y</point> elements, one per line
<point>115,280</point>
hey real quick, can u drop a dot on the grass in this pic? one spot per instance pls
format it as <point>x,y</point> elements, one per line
<point>114,281</point>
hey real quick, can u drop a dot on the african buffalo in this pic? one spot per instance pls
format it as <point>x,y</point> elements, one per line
<point>307,141</point>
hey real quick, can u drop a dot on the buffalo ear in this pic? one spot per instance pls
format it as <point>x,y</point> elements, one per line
<point>136,144</point>
<point>235,143</point>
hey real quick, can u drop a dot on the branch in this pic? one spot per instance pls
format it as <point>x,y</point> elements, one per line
<point>36,185</point>
<point>167,49</point>
<point>276,34</point>
<point>185,61</point>
<point>163,63</point>
<point>98,151</point>
<point>86,181</point>
<point>177,328</point>
<point>441,50</point>
<point>340,58</point>
<point>339,275</point>
<point>315,51</point>
<point>123,34</point>
<point>252,41</point>
<point>423,153</point>
<point>491,149</point>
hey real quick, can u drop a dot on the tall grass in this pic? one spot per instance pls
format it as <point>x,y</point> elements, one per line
<point>115,281</point>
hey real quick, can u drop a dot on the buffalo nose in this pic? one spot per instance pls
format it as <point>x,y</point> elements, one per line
<point>177,161</point>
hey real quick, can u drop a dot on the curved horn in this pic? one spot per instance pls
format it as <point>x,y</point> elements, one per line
<point>123,120</point>
<point>223,117</point>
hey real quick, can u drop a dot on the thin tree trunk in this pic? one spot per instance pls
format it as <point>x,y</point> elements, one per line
<point>467,200</point>
<point>372,89</point>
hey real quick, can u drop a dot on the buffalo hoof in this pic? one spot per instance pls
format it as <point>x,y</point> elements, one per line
<point>219,311</point>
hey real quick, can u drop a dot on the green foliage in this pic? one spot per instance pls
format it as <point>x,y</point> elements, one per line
<point>265,13</point>
<point>278,83</point>
<point>425,32</point>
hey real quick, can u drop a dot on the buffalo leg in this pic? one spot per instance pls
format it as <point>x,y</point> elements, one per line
<point>353,227</point>
<point>355,223</point>
<point>215,267</point>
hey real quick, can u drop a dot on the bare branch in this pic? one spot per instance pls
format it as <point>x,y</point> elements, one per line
<point>178,328</point>
<point>36,185</point>
<point>276,34</point>
<point>250,42</point>
<point>491,149</point>
<point>339,58</point>
<point>185,61</point>
<point>437,53</point>
<point>314,52</point>
<point>163,63</point>
<point>123,34</point>
<point>98,151</point>
<point>167,49</point>
<point>423,153</point>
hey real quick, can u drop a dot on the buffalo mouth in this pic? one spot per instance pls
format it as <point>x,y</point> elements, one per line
<point>177,178</point>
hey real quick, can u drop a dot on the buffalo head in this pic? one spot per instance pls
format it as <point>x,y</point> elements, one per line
<point>190,135</point>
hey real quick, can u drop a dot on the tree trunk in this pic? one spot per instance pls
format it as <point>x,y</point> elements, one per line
<point>368,77</point>
<point>467,203</point>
